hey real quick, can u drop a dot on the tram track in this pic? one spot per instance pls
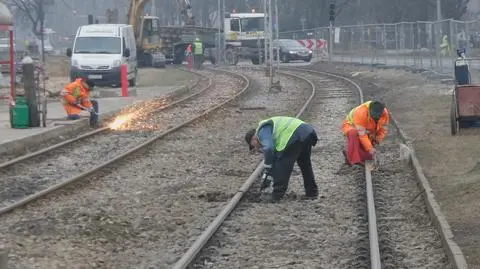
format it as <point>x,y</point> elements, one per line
<point>32,176</point>
<point>143,211</point>
<point>332,232</point>
<point>154,106</point>
<point>349,207</point>
<point>17,153</point>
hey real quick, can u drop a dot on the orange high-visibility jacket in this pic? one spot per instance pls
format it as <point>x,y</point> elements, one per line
<point>368,131</point>
<point>75,92</point>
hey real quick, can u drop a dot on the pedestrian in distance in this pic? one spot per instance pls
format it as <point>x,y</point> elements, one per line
<point>365,127</point>
<point>284,141</point>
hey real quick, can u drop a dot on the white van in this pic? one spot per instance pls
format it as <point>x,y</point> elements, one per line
<point>100,49</point>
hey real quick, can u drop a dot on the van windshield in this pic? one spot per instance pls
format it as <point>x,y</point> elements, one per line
<point>97,44</point>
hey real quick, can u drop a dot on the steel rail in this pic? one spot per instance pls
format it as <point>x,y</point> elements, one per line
<point>103,129</point>
<point>202,240</point>
<point>206,235</point>
<point>375,259</point>
<point>143,145</point>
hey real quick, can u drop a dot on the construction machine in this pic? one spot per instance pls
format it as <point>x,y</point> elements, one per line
<point>244,37</point>
<point>156,43</point>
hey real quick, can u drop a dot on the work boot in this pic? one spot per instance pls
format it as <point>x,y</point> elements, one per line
<point>310,196</point>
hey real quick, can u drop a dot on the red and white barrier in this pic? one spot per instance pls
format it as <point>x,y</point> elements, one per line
<point>314,44</point>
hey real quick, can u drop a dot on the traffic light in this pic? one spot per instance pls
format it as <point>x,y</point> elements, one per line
<point>332,11</point>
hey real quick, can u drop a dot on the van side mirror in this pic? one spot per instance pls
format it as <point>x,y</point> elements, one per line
<point>126,52</point>
<point>69,52</point>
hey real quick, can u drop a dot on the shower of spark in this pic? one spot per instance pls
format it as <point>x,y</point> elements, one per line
<point>139,116</point>
<point>121,121</point>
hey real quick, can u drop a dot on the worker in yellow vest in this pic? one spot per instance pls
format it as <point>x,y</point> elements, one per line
<point>444,46</point>
<point>198,53</point>
<point>284,141</point>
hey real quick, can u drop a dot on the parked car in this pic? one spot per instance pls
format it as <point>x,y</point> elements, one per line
<point>291,50</point>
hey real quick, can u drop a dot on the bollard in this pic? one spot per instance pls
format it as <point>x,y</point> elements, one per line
<point>28,76</point>
<point>124,80</point>
<point>3,258</point>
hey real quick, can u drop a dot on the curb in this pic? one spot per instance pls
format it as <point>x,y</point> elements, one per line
<point>19,146</point>
<point>430,72</point>
<point>454,252</point>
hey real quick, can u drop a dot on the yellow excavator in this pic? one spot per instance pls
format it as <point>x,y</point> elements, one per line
<point>155,41</point>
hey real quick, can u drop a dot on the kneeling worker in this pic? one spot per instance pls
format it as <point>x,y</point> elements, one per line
<point>284,141</point>
<point>75,99</point>
<point>365,127</point>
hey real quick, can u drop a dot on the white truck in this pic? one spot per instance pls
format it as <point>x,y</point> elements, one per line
<point>244,36</point>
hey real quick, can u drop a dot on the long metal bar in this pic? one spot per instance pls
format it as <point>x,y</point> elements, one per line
<point>372,222</point>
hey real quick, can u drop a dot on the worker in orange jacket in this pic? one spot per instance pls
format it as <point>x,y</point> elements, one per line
<point>364,127</point>
<point>75,98</point>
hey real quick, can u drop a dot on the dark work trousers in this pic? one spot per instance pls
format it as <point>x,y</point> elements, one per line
<point>198,60</point>
<point>300,152</point>
<point>93,116</point>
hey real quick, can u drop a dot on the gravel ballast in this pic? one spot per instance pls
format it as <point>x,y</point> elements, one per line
<point>147,209</point>
<point>38,173</point>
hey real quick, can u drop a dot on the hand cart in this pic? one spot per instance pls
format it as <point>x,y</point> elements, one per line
<point>465,106</point>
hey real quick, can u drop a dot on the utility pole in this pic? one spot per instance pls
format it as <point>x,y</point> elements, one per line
<point>277,26</point>
<point>332,19</point>
<point>42,25</point>
<point>438,35</point>
<point>220,21</point>
<point>154,9</point>
<point>268,47</point>
<point>222,36</point>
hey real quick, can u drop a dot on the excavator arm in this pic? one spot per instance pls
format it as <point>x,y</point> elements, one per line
<point>135,16</point>
<point>186,11</point>
<point>137,6</point>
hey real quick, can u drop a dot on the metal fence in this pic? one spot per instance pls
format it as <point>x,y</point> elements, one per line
<point>423,44</point>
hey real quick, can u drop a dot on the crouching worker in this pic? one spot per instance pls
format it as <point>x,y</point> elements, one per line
<point>75,98</point>
<point>365,127</point>
<point>284,141</point>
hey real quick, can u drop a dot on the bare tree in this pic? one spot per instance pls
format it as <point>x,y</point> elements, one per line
<point>34,11</point>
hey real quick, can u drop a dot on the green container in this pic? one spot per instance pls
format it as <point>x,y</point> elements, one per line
<point>20,114</point>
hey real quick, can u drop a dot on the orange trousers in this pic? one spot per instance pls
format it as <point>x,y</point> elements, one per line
<point>354,151</point>
<point>75,110</point>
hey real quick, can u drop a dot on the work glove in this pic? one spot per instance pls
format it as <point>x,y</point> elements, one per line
<point>372,152</point>
<point>91,109</point>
